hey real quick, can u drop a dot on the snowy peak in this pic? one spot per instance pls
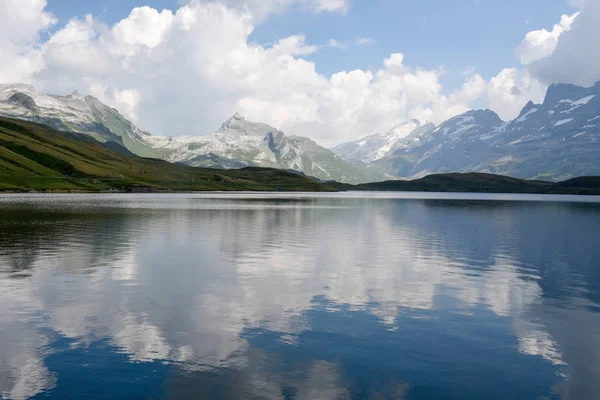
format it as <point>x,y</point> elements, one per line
<point>403,130</point>
<point>374,147</point>
<point>528,109</point>
<point>78,96</point>
<point>74,112</point>
<point>557,139</point>
<point>559,92</point>
<point>423,129</point>
<point>469,124</point>
<point>484,116</point>
<point>565,106</point>
<point>237,125</point>
<point>241,142</point>
<point>235,122</point>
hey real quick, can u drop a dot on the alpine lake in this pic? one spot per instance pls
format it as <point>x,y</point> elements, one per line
<point>299,296</point>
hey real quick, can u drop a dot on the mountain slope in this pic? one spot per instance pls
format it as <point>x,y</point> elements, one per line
<point>555,140</point>
<point>375,147</point>
<point>454,146</point>
<point>34,156</point>
<point>76,113</point>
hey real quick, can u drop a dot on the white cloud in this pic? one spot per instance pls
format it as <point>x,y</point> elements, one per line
<point>566,54</point>
<point>331,5</point>
<point>511,89</point>
<point>457,103</point>
<point>145,27</point>
<point>365,41</point>
<point>185,71</point>
<point>577,55</point>
<point>338,44</point>
<point>128,101</point>
<point>346,44</point>
<point>294,45</point>
<point>541,43</point>
<point>74,50</point>
<point>21,22</point>
<point>75,31</point>
<point>260,9</point>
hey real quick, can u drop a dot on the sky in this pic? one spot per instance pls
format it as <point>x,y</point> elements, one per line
<point>331,70</point>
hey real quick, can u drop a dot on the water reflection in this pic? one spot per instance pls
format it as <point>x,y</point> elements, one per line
<point>190,296</point>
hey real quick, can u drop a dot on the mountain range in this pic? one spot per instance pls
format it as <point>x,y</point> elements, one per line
<point>238,143</point>
<point>554,140</point>
<point>35,157</point>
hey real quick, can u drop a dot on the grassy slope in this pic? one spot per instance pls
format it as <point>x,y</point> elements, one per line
<point>37,157</point>
<point>488,183</point>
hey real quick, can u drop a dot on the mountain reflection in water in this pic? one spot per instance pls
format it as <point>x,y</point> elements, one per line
<point>299,296</point>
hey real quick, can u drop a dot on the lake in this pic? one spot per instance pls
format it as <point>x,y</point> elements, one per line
<point>299,296</point>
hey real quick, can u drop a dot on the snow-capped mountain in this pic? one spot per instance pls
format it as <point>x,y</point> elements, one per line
<point>451,147</point>
<point>250,143</point>
<point>374,147</point>
<point>236,144</point>
<point>75,112</point>
<point>557,139</point>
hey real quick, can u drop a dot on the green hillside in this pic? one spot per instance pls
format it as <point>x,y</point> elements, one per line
<point>37,157</point>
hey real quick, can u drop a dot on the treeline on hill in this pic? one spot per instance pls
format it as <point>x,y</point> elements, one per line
<point>36,157</point>
<point>488,183</point>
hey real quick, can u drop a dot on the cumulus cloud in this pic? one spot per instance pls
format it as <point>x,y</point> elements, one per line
<point>510,90</point>
<point>542,43</point>
<point>294,45</point>
<point>145,28</point>
<point>21,22</point>
<point>577,55</point>
<point>565,54</point>
<point>443,107</point>
<point>185,71</point>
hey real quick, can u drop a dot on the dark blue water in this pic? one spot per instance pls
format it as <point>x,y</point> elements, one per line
<point>340,296</point>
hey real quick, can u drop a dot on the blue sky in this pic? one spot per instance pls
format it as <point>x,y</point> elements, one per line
<point>455,34</point>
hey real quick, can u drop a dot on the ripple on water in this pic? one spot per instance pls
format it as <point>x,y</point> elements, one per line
<point>356,295</point>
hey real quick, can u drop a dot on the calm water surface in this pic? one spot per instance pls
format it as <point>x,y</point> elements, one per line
<point>280,296</point>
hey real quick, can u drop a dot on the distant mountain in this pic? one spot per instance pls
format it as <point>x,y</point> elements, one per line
<point>238,143</point>
<point>555,140</point>
<point>454,146</point>
<point>374,147</point>
<point>243,143</point>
